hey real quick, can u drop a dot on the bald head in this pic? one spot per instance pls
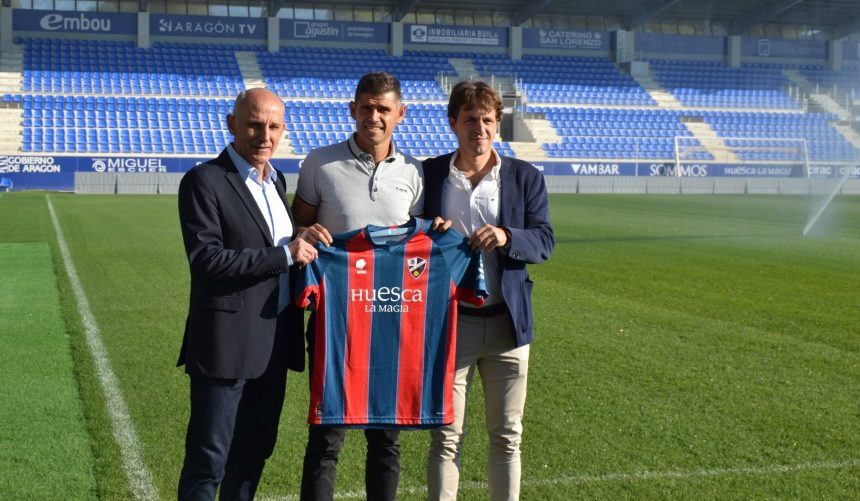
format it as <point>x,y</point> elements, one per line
<point>250,97</point>
<point>257,125</point>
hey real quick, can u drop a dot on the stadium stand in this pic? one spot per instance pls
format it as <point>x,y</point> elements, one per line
<point>709,84</point>
<point>98,97</point>
<point>113,124</point>
<point>846,81</point>
<point>615,133</point>
<point>821,140</point>
<point>315,73</point>
<point>112,67</point>
<point>322,73</point>
<point>567,80</point>
<point>424,132</point>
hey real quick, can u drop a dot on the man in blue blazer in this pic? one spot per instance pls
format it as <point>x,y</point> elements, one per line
<point>238,235</point>
<point>501,204</point>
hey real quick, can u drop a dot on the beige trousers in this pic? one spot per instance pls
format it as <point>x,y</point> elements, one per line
<point>488,345</point>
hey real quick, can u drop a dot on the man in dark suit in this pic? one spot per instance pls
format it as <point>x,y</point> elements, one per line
<point>238,235</point>
<point>501,204</point>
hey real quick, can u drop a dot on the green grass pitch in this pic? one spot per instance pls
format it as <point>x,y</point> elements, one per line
<point>44,445</point>
<point>688,347</point>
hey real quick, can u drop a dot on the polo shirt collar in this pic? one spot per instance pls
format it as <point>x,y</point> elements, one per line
<point>357,152</point>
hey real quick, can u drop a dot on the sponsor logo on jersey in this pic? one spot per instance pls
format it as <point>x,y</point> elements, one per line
<point>359,267</point>
<point>387,295</point>
<point>386,299</point>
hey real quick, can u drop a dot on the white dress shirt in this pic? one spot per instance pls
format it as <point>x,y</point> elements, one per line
<point>470,208</point>
<point>273,209</point>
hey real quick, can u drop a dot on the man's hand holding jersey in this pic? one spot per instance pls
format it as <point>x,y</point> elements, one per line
<point>441,225</point>
<point>485,238</point>
<point>301,251</point>
<point>489,237</point>
<point>315,233</point>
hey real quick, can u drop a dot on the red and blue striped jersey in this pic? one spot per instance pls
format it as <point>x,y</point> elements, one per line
<point>385,302</point>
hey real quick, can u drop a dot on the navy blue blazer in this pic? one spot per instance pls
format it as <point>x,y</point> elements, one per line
<point>235,267</point>
<point>524,212</point>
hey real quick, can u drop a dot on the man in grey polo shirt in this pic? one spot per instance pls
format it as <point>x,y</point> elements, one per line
<point>343,187</point>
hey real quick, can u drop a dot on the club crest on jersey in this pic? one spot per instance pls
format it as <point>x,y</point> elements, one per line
<point>416,266</point>
<point>359,267</point>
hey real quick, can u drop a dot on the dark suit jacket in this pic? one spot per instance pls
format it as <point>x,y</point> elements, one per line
<point>524,211</point>
<point>235,268</point>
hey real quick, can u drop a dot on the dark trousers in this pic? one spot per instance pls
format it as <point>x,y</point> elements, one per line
<point>382,463</point>
<point>231,432</point>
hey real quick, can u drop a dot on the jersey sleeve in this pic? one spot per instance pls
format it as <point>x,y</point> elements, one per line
<point>308,282</point>
<point>465,265</point>
<point>472,287</point>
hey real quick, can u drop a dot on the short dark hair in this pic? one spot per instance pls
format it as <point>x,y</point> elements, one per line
<point>376,84</point>
<point>473,94</point>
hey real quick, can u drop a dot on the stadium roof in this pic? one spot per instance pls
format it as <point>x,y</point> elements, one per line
<point>838,18</point>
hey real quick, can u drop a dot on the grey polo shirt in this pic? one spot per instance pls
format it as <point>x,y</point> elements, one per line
<point>350,191</point>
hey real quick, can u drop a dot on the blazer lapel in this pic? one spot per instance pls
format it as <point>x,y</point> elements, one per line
<point>508,189</point>
<point>436,176</point>
<point>238,184</point>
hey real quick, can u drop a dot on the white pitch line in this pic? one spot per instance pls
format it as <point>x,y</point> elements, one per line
<point>626,477</point>
<point>139,478</point>
<point>712,472</point>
